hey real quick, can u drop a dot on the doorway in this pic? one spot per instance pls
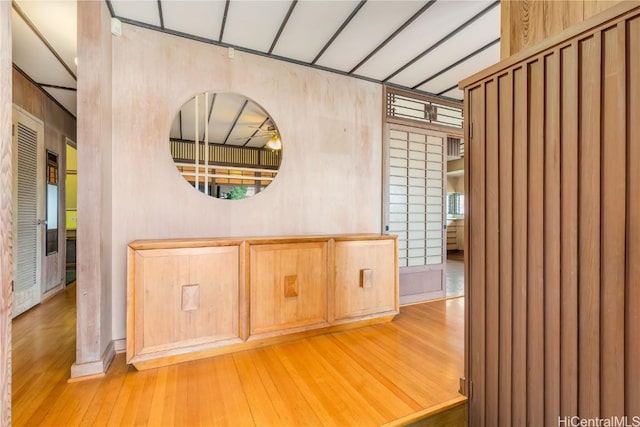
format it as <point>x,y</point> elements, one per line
<point>455,227</point>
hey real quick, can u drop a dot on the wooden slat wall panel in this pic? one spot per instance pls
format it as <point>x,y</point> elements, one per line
<point>569,231</point>
<point>505,171</point>
<point>554,231</point>
<point>632,290</point>
<point>519,343</point>
<point>613,221</point>
<point>492,251</point>
<point>589,227</point>
<point>477,244</point>
<point>535,246</point>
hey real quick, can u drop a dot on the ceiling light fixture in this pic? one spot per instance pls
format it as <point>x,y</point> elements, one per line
<point>274,143</point>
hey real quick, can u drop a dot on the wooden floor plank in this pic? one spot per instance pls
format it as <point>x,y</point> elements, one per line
<point>367,376</point>
<point>375,392</point>
<point>258,397</point>
<point>335,401</point>
<point>289,402</point>
<point>164,397</point>
<point>104,400</point>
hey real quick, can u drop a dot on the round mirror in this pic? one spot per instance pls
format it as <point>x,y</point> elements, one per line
<point>225,145</point>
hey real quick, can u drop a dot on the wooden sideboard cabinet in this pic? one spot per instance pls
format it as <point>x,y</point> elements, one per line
<point>194,298</point>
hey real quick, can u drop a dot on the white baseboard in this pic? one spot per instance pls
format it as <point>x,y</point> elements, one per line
<point>422,297</point>
<point>88,370</point>
<point>120,345</point>
<point>53,291</point>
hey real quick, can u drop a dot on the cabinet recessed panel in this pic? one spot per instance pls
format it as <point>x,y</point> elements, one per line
<point>365,278</point>
<point>191,297</point>
<point>288,286</point>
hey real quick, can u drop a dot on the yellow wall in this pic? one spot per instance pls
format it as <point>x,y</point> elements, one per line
<point>71,196</point>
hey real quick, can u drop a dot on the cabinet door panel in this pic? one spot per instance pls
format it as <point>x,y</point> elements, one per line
<point>365,278</point>
<point>288,285</point>
<point>191,295</point>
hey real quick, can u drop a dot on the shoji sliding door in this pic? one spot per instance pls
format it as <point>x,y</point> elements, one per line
<point>553,185</point>
<point>415,192</point>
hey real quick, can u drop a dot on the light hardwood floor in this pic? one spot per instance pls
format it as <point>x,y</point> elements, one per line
<point>363,377</point>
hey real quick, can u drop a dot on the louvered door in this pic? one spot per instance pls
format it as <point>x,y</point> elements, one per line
<point>414,204</point>
<point>28,187</point>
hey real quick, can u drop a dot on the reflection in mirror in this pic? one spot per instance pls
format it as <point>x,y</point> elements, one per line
<point>225,145</point>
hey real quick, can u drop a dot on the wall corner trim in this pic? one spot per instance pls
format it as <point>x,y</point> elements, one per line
<point>89,370</point>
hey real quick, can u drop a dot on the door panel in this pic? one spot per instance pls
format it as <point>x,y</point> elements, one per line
<point>28,189</point>
<point>414,206</point>
<point>288,286</point>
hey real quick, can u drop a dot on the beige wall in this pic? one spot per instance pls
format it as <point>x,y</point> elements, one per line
<point>330,179</point>
<point>58,124</point>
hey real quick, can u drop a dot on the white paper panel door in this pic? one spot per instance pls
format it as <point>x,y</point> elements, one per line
<point>415,191</point>
<point>28,190</point>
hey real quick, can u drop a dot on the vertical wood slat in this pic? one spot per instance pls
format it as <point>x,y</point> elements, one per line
<point>6,222</point>
<point>519,343</point>
<point>477,246</point>
<point>613,222</point>
<point>632,290</point>
<point>535,246</point>
<point>505,155</point>
<point>552,231</point>
<point>492,253</point>
<point>569,232</point>
<point>568,212</point>
<point>589,228</point>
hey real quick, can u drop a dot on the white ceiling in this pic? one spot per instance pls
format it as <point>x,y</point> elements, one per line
<point>427,46</point>
<point>45,46</point>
